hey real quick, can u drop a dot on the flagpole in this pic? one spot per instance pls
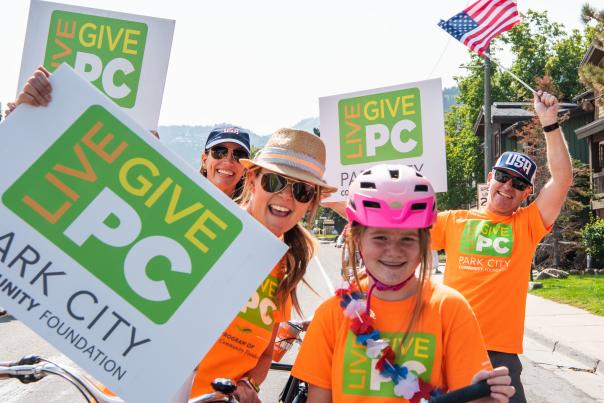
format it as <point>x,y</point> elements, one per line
<point>485,54</point>
<point>488,128</point>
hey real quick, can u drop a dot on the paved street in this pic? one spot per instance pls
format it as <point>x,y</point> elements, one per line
<point>548,376</point>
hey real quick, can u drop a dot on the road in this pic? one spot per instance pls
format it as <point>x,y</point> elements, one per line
<point>548,377</point>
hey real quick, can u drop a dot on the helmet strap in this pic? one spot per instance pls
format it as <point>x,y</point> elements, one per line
<point>379,285</point>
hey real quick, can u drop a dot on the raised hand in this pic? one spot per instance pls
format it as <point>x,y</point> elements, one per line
<point>546,107</point>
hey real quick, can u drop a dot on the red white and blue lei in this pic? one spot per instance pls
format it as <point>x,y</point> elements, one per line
<point>406,383</point>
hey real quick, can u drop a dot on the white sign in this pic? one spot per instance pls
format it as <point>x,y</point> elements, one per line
<point>483,193</point>
<point>402,124</point>
<point>113,249</point>
<point>124,55</point>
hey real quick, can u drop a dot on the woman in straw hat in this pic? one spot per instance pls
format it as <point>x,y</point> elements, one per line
<point>283,183</point>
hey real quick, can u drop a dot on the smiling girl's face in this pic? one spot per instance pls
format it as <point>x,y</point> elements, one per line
<point>390,254</point>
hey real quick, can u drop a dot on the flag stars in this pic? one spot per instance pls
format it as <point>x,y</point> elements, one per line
<point>458,25</point>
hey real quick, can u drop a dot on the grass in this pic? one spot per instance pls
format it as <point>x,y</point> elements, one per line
<point>586,292</point>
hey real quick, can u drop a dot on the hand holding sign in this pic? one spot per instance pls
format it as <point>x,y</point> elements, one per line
<point>125,56</point>
<point>37,89</point>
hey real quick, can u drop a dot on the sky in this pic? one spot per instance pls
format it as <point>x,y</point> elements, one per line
<point>263,64</point>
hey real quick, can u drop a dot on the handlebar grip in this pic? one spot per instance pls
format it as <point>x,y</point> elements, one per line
<point>469,393</point>
<point>29,360</point>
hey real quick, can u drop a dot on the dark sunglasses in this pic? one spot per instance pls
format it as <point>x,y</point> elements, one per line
<point>517,183</point>
<point>274,183</point>
<point>220,152</point>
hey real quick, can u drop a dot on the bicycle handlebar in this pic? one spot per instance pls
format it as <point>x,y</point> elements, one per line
<point>33,368</point>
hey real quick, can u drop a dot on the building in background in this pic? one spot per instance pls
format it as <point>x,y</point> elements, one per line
<point>593,132</point>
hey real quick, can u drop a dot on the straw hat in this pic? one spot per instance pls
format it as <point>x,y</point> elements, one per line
<point>296,154</point>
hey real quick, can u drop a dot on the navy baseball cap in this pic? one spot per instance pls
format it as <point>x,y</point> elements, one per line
<point>518,163</point>
<point>229,134</point>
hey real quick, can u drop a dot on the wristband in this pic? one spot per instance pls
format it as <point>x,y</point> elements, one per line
<point>250,382</point>
<point>551,128</point>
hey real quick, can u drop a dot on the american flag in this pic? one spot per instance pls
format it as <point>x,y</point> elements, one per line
<point>482,21</point>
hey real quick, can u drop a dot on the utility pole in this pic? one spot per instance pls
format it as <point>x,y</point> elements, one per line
<point>488,129</point>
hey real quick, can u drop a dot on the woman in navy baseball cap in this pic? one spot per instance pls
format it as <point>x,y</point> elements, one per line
<point>220,160</point>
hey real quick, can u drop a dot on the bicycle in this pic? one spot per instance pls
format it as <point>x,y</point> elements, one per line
<point>33,368</point>
<point>294,391</point>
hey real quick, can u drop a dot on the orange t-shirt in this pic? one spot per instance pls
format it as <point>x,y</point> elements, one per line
<point>488,260</point>
<point>240,346</point>
<point>446,348</point>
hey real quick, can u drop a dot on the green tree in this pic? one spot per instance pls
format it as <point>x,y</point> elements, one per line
<point>592,239</point>
<point>463,150</point>
<point>593,76</point>
<point>254,151</point>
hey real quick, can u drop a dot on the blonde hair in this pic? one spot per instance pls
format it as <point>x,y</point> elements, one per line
<point>351,263</point>
<point>301,244</point>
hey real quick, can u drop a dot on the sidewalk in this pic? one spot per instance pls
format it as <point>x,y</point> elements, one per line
<point>565,329</point>
<point>568,330</point>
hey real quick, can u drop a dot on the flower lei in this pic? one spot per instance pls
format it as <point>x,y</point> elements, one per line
<point>406,383</point>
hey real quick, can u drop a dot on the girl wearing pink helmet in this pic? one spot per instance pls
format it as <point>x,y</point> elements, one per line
<point>394,335</point>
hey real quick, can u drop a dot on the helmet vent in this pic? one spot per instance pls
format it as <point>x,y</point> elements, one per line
<point>418,206</point>
<point>419,175</point>
<point>367,185</point>
<point>421,188</point>
<point>367,172</point>
<point>394,173</point>
<point>371,204</point>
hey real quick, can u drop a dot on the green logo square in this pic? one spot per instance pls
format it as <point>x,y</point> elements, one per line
<point>261,306</point>
<point>485,238</point>
<point>106,51</point>
<point>380,127</point>
<point>125,213</point>
<point>360,376</point>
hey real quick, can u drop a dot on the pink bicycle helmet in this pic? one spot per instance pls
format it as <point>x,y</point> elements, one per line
<point>391,196</point>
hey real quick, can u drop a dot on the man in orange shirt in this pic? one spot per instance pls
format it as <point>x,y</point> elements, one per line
<point>489,251</point>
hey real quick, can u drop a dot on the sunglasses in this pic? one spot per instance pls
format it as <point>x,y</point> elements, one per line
<point>517,183</point>
<point>220,152</point>
<point>274,183</point>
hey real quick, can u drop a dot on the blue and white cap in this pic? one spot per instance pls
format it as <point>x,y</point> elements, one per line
<point>518,163</point>
<point>229,134</point>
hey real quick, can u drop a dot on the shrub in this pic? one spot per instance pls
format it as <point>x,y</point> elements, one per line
<point>592,238</point>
